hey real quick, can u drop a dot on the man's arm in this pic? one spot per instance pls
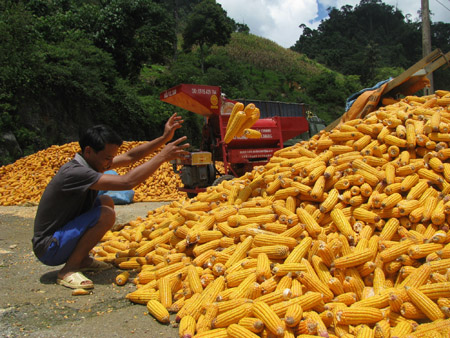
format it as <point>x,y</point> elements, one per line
<point>143,150</point>
<point>139,174</point>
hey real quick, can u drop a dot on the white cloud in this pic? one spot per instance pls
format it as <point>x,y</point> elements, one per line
<point>279,20</point>
<point>411,7</point>
<point>275,20</point>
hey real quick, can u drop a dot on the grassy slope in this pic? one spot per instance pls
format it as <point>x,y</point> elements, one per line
<point>296,70</point>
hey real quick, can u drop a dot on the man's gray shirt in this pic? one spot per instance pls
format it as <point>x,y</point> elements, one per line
<point>66,197</point>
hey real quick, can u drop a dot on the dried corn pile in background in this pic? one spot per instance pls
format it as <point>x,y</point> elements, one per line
<point>24,181</point>
<point>345,235</point>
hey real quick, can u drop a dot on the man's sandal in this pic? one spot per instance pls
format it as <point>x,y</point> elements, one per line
<point>97,266</point>
<point>75,281</point>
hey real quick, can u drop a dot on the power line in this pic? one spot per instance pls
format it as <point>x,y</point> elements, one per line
<point>443,5</point>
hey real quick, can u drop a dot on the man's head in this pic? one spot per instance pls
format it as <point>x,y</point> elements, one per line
<point>97,137</point>
<point>99,144</point>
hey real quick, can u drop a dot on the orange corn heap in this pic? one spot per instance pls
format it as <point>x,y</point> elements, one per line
<point>24,181</point>
<point>337,236</point>
<point>353,265</point>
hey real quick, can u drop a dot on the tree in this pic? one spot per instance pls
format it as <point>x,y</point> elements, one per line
<point>135,32</point>
<point>362,39</point>
<point>207,25</point>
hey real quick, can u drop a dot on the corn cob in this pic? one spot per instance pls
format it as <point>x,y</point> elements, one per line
<point>270,319</point>
<point>158,311</point>
<point>425,304</point>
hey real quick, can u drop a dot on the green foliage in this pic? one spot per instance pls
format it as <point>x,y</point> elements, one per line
<point>66,64</point>
<point>329,92</point>
<point>362,39</point>
<point>134,32</point>
<point>206,26</point>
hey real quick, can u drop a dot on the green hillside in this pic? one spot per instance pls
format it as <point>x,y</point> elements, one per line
<point>253,67</point>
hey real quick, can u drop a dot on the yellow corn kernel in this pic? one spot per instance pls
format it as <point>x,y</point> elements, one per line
<point>425,304</point>
<point>238,331</point>
<point>158,311</point>
<point>285,268</point>
<point>300,251</point>
<point>364,331</point>
<point>312,226</point>
<point>267,315</point>
<point>165,291</point>
<point>411,311</point>
<point>262,267</point>
<point>186,327</point>
<point>204,323</point>
<point>232,316</point>
<point>240,252</point>
<point>318,188</point>
<point>331,200</point>
<point>294,314</point>
<point>315,284</point>
<point>263,240</point>
<point>358,315</point>
<point>238,106</point>
<point>122,278</point>
<point>252,324</point>
<point>339,136</point>
<point>342,223</point>
<point>252,117</point>
<point>382,329</point>
<point>215,333</point>
<point>389,229</point>
<point>244,288</point>
<point>272,251</point>
<point>353,259</point>
<point>252,133</point>
<point>366,215</point>
<point>282,194</point>
<point>234,126</point>
<point>406,206</point>
<point>437,215</point>
<point>347,298</point>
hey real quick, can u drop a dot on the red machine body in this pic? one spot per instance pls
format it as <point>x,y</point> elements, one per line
<point>279,122</point>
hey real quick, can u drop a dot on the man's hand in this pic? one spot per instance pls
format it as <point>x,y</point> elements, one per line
<point>172,124</point>
<point>174,150</point>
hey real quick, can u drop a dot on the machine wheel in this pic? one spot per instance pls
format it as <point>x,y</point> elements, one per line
<point>222,178</point>
<point>191,194</point>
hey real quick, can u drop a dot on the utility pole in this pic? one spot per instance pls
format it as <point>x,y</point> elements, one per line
<point>426,40</point>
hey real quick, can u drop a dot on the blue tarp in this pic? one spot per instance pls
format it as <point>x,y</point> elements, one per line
<point>119,197</point>
<point>352,98</point>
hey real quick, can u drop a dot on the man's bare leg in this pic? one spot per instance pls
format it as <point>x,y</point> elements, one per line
<point>80,256</point>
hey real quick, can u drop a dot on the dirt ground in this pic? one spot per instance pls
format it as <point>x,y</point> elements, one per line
<point>33,305</point>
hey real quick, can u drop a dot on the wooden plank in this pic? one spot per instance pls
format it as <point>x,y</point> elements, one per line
<point>413,69</point>
<point>437,63</point>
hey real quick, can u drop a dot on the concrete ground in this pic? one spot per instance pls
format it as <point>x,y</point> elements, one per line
<point>33,305</point>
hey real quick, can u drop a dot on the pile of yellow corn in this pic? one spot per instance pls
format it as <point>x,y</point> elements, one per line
<point>24,181</point>
<point>345,235</point>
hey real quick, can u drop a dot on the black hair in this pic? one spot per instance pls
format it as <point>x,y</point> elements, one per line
<point>97,137</point>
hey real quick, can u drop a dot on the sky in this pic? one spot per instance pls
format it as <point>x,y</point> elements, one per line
<point>279,20</point>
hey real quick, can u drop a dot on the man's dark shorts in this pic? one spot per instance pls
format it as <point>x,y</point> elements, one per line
<point>66,239</point>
